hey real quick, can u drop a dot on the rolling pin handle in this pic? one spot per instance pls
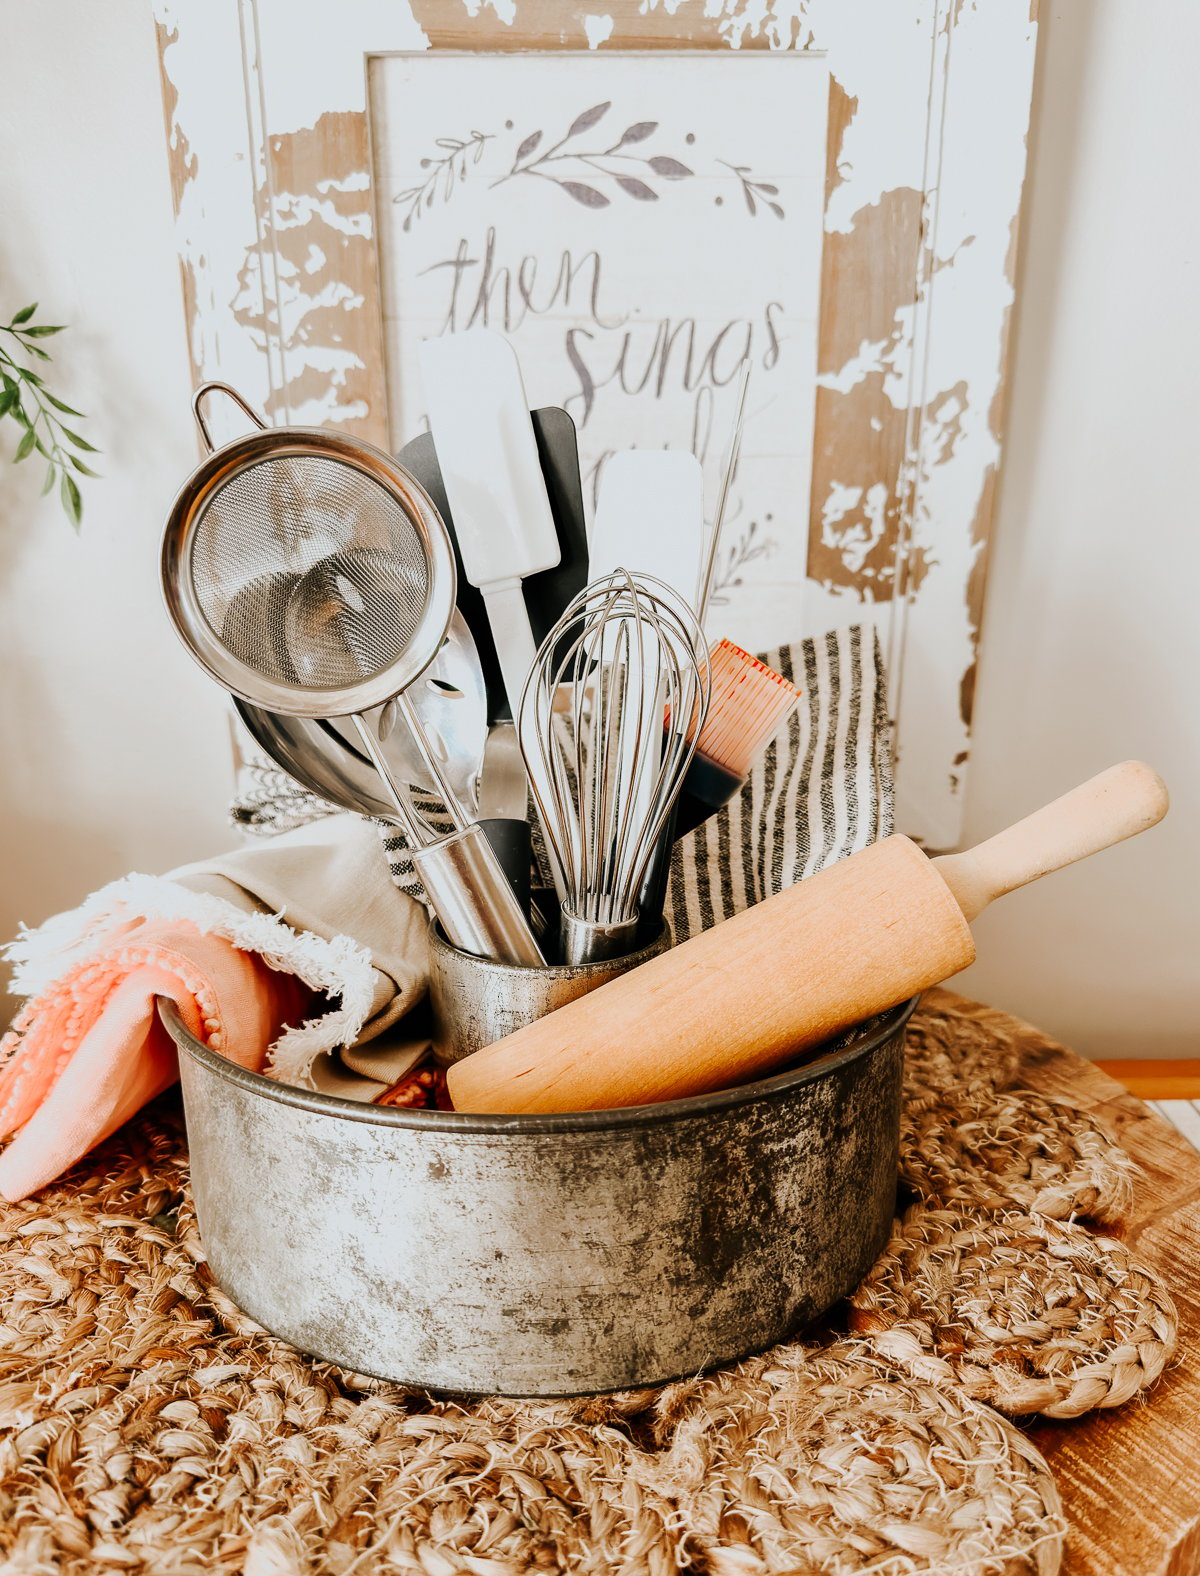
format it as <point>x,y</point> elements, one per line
<point>1117,804</point>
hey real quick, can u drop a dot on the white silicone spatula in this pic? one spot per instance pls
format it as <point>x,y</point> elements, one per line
<point>650,518</point>
<point>483,434</point>
<point>475,399</point>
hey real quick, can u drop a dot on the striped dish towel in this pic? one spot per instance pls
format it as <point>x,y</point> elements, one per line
<point>820,790</point>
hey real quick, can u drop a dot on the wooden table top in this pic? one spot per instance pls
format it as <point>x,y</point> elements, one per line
<point>1130,1476</point>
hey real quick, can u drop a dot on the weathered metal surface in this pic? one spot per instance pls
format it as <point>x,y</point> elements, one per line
<point>545,1255</point>
<point>476,1001</point>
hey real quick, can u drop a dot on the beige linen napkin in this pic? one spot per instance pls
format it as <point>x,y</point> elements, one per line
<point>317,902</point>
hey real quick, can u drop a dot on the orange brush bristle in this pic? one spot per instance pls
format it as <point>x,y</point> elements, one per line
<point>749,702</point>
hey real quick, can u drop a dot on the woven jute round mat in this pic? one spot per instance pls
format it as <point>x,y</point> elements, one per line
<point>146,1425</point>
<point>953,1045</point>
<point>826,1460</point>
<point>982,1150</point>
<point>1023,1312</point>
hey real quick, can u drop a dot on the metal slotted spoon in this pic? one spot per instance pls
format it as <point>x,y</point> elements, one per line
<point>309,574</point>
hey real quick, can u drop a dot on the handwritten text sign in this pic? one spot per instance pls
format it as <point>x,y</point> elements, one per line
<point>637,224</point>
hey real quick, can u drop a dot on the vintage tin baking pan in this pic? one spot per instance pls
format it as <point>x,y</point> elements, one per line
<point>551,1254</point>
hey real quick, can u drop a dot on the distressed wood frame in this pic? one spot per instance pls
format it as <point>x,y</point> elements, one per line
<point>267,127</point>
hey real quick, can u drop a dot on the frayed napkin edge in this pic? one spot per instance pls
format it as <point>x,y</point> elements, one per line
<point>339,967</point>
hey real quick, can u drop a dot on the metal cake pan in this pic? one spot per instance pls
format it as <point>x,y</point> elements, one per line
<point>545,1255</point>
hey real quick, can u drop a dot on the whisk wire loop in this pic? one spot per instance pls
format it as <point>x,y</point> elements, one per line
<point>608,721</point>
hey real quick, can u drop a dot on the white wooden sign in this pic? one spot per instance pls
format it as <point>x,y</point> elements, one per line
<point>636,235</point>
<point>284,204</point>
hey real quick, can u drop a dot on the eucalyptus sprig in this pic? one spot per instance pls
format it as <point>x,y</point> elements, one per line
<point>25,397</point>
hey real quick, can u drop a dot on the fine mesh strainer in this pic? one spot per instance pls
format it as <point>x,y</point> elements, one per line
<point>310,574</point>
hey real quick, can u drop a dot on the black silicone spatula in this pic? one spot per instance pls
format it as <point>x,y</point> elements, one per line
<point>547,593</point>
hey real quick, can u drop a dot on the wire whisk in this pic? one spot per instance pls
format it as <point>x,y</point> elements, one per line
<point>608,723</point>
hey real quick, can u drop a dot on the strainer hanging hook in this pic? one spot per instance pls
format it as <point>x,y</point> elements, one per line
<point>215,387</point>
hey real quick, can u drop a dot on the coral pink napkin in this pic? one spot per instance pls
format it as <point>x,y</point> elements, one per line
<point>88,1053</point>
<point>247,945</point>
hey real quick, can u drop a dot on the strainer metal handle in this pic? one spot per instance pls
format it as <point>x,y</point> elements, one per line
<point>215,387</point>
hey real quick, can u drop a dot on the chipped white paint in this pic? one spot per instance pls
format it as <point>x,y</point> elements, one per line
<point>943,91</point>
<point>855,543</point>
<point>313,66</point>
<point>979,179</point>
<point>937,135</point>
<point>505,11</point>
<point>243,72</point>
<point>598,29</point>
<point>872,356</point>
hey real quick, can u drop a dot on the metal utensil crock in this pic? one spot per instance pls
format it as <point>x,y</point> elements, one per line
<point>551,1254</point>
<point>477,1001</point>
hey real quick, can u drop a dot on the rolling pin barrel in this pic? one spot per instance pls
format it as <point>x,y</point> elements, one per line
<point>745,998</point>
<point>739,1000</point>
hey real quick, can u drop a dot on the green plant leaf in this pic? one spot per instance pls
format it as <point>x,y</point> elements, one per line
<point>84,470</point>
<point>59,404</point>
<point>41,447</point>
<point>24,315</point>
<point>36,350</point>
<point>30,377</point>
<point>51,473</point>
<point>7,400</point>
<point>25,447</point>
<point>44,330</point>
<point>80,443</point>
<point>72,502</point>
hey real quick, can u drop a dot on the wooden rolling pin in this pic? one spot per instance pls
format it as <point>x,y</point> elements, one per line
<point>750,995</point>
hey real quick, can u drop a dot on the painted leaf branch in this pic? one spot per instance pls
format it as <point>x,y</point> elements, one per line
<point>754,192</point>
<point>25,398</point>
<point>589,175</point>
<point>444,171</point>
<point>596,168</point>
<point>728,575</point>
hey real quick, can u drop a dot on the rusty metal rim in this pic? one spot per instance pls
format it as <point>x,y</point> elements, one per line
<point>543,1122</point>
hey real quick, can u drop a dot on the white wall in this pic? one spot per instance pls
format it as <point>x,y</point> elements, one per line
<point>1090,650</point>
<point>114,749</point>
<point>114,746</point>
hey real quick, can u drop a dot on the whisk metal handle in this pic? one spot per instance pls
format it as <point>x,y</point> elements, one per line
<point>590,941</point>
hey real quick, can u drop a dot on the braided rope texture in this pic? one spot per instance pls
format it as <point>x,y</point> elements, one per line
<point>953,1048</point>
<point>813,1461</point>
<point>147,1425</point>
<point>986,1151</point>
<point>1017,1310</point>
